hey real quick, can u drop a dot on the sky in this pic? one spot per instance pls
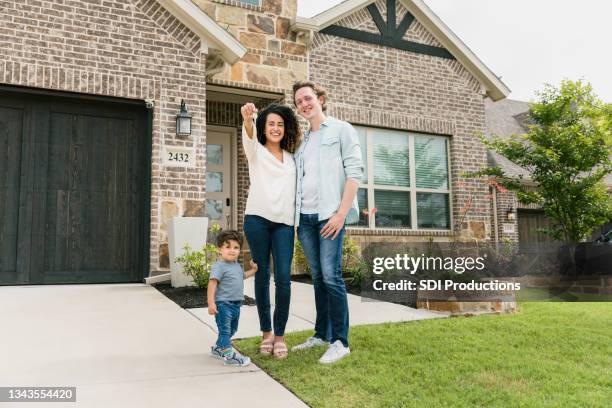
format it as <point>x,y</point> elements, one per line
<point>528,42</point>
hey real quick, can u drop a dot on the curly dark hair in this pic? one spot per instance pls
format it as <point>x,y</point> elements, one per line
<point>227,236</point>
<point>293,132</point>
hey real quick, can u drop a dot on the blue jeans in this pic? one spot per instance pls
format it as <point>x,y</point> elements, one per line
<point>324,257</point>
<point>265,236</point>
<point>228,314</point>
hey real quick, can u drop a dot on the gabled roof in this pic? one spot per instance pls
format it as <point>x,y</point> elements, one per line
<point>494,87</point>
<point>507,117</point>
<point>212,35</point>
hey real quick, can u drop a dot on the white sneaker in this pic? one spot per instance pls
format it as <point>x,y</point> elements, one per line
<point>310,343</point>
<point>335,352</point>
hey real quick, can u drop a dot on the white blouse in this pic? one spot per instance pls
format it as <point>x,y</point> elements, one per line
<point>272,191</point>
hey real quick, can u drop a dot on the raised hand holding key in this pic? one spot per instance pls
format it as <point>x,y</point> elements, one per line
<point>249,113</point>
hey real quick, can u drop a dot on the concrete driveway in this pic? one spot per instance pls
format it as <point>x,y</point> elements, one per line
<point>121,346</point>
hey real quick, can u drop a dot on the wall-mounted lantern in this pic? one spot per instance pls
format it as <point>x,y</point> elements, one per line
<point>183,121</point>
<point>510,214</point>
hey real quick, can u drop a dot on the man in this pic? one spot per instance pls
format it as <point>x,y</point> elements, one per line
<point>329,167</point>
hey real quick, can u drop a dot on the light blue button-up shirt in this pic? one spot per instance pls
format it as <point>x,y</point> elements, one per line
<point>339,160</point>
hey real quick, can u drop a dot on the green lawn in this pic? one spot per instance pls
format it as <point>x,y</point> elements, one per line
<point>549,295</point>
<point>548,355</point>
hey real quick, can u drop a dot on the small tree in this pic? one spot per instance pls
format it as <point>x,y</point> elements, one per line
<point>568,151</point>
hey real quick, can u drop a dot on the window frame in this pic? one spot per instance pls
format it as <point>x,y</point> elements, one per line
<point>370,187</point>
<point>246,2</point>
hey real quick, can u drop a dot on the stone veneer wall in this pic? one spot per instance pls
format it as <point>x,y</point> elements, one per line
<point>276,56</point>
<point>389,88</point>
<point>122,48</point>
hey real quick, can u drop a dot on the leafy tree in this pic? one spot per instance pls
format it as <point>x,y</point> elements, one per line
<point>568,151</point>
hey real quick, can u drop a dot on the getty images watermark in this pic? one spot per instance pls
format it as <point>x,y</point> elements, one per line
<point>474,272</point>
<point>405,265</point>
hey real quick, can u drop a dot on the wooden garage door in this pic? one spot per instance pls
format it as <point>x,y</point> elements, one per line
<point>73,190</point>
<point>530,222</point>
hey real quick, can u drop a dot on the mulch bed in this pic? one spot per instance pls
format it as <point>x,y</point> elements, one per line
<point>190,297</point>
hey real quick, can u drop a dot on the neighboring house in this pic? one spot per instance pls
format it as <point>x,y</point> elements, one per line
<point>511,220</point>
<point>505,118</point>
<point>93,168</point>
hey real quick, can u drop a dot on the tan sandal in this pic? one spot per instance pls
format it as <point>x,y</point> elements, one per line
<point>280,350</point>
<point>266,346</point>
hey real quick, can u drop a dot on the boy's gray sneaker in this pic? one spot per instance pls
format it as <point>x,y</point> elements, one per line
<point>216,352</point>
<point>310,343</point>
<point>237,359</point>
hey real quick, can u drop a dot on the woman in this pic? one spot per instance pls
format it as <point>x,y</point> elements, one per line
<point>269,215</point>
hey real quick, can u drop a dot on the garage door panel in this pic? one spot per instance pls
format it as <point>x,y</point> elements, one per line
<point>59,219</point>
<point>11,125</point>
<point>120,137</point>
<point>98,234</point>
<point>75,194</point>
<point>98,152</point>
<point>52,229</point>
<point>59,155</point>
<point>135,155</point>
<point>38,187</point>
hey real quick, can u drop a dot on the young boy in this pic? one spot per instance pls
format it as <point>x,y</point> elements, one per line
<point>225,295</point>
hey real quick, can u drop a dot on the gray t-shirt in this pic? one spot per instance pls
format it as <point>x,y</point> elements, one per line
<point>231,281</point>
<point>310,190</point>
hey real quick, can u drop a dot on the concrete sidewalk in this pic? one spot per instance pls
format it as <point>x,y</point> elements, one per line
<point>121,346</point>
<point>302,311</point>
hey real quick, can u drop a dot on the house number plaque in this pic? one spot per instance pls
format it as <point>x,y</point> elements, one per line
<point>508,228</point>
<point>175,156</point>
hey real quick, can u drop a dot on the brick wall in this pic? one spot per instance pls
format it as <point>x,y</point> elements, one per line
<point>505,201</point>
<point>385,87</point>
<point>125,48</point>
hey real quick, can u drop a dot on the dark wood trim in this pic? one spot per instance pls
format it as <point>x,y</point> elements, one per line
<point>390,35</point>
<point>23,91</point>
<point>391,18</point>
<point>375,39</point>
<point>146,239</point>
<point>378,20</point>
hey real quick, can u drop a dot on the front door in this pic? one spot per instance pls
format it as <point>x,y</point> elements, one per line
<point>219,177</point>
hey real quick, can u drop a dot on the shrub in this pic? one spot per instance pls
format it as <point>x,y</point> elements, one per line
<point>357,272</point>
<point>299,259</point>
<point>197,264</point>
